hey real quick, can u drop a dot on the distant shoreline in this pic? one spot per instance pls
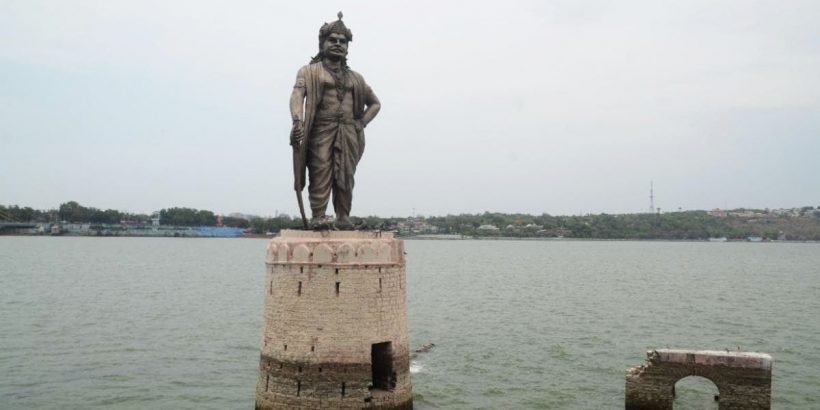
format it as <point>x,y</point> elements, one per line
<point>514,238</point>
<point>755,225</point>
<point>425,238</point>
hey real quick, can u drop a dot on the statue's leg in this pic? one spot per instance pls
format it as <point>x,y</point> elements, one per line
<point>342,200</point>
<point>346,154</point>
<point>320,167</point>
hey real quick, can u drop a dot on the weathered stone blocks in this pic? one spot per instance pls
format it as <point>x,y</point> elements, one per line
<point>335,322</point>
<point>743,379</point>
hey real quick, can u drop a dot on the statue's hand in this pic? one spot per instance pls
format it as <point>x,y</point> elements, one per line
<point>296,133</point>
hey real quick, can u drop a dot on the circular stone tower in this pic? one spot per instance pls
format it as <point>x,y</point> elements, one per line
<point>335,322</point>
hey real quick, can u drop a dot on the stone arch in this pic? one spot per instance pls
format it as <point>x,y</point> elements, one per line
<point>367,254</point>
<point>743,379</point>
<point>282,253</point>
<point>271,254</point>
<point>322,253</point>
<point>686,389</point>
<point>345,253</point>
<point>301,253</point>
<point>385,253</point>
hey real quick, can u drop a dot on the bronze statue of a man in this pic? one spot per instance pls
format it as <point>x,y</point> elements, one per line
<point>330,106</point>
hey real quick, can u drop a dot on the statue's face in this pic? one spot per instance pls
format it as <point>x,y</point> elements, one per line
<point>335,46</point>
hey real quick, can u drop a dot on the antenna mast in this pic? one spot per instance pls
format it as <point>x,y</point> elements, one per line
<point>651,196</point>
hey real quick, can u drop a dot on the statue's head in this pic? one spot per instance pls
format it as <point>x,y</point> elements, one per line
<point>333,40</point>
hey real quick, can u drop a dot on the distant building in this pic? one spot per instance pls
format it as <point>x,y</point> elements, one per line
<point>746,214</point>
<point>718,213</point>
<point>416,225</point>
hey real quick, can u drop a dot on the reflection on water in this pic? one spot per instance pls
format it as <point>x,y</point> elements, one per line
<point>135,323</point>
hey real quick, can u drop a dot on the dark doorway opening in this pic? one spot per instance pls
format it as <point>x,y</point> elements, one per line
<point>381,357</point>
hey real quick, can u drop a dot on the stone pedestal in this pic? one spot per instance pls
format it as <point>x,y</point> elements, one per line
<point>335,322</point>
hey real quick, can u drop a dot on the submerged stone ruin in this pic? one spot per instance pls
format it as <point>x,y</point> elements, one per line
<point>743,379</point>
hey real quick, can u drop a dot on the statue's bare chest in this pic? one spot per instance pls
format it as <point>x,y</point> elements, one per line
<point>329,82</point>
<point>335,98</point>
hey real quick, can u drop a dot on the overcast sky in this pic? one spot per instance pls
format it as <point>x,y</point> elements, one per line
<point>562,107</point>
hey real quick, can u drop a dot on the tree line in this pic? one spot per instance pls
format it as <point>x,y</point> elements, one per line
<point>691,225</point>
<point>673,225</point>
<point>69,212</point>
<point>73,212</point>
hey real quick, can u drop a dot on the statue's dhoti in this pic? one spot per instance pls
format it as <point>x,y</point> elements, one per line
<point>335,146</point>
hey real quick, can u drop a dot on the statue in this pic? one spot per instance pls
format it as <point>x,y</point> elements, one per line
<point>330,107</point>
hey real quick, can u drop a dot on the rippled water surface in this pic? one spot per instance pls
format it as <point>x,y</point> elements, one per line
<point>137,323</point>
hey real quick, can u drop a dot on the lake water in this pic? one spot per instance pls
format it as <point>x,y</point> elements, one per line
<point>138,323</point>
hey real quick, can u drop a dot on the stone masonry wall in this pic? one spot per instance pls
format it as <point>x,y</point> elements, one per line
<point>329,296</point>
<point>743,379</point>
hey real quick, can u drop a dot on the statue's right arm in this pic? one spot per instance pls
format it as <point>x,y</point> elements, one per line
<point>297,104</point>
<point>297,108</point>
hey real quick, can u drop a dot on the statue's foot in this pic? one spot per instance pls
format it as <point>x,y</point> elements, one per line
<point>343,224</point>
<point>321,223</point>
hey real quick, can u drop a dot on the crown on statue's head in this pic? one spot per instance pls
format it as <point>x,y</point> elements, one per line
<point>337,27</point>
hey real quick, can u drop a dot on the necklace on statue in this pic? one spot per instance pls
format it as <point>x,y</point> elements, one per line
<point>339,76</point>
